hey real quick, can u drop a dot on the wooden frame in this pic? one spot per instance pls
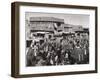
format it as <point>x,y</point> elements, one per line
<point>15,32</point>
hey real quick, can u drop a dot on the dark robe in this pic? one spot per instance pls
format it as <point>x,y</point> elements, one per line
<point>78,55</point>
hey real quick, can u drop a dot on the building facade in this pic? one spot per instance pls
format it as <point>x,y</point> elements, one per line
<point>50,27</point>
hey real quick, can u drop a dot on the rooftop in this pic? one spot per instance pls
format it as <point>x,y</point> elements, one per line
<point>71,25</point>
<point>47,19</point>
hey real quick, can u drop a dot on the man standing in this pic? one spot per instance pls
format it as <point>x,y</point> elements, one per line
<point>77,55</point>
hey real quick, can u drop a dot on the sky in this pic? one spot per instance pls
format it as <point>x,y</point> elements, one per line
<point>75,19</point>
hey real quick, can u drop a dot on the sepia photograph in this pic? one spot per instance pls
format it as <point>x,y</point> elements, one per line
<point>56,39</point>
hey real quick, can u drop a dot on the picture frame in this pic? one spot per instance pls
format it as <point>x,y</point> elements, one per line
<point>52,15</point>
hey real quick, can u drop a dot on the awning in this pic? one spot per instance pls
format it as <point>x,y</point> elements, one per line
<point>68,33</point>
<point>42,32</point>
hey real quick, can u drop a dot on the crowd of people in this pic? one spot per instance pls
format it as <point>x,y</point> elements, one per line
<point>54,51</point>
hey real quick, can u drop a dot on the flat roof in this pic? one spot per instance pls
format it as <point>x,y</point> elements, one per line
<point>47,19</point>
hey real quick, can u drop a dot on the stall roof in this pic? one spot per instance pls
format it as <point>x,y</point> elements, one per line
<point>42,32</point>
